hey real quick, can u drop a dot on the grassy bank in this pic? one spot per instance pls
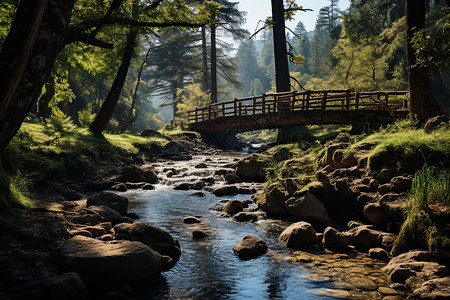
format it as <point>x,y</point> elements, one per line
<point>44,152</point>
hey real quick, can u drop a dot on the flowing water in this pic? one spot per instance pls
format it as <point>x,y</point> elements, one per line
<point>208,268</point>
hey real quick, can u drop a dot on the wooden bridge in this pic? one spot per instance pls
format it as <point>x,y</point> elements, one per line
<point>318,107</point>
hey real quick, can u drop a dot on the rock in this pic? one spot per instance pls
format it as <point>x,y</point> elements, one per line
<point>375,213</point>
<point>354,224</point>
<point>341,184</point>
<point>183,186</point>
<point>191,220</point>
<point>323,177</point>
<point>247,190</point>
<point>297,235</point>
<point>198,185</point>
<point>437,288</point>
<point>200,166</point>
<point>120,187</point>
<point>87,219</point>
<point>253,167</point>
<point>126,220</point>
<point>226,190</point>
<point>133,174</point>
<point>327,159</point>
<point>209,180</point>
<point>108,214</point>
<point>386,175</point>
<point>150,132</point>
<point>308,208</point>
<point>82,232</point>
<point>386,291</point>
<point>366,237</point>
<point>233,207</point>
<point>232,178</point>
<point>111,200</point>
<point>401,184</point>
<point>272,201</point>
<point>378,253</point>
<point>156,238</point>
<point>341,159</point>
<point>67,286</point>
<point>250,247</point>
<point>148,186</point>
<point>363,199</point>
<point>434,123</point>
<point>133,216</point>
<point>333,239</point>
<point>100,263</point>
<point>123,228</point>
<point>106,237</point>
<point>173,149</point>
<point>199,234</point>
<point>198,194</point>
<point>134,185</point>
<point>245,216</point>
<point>414,268</point>
<point>384,188</point>
<point>150,174</point>
<point>374,184</point>
<point>96,231</point>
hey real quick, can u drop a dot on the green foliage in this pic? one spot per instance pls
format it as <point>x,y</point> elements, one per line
<point>86,116</point>
<point>430,185</point>
<point>191,97</point>
<point>7,10</point>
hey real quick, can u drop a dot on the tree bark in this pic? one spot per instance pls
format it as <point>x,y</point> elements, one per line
<point>422,103</point>
<point>109,105</point>
<point>279,44</point>
<point>213,65</point>
<point>48,44</point>
<point>205,61</point>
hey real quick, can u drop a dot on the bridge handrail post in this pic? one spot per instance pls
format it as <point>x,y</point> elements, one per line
<point>210,112</point>
<point>293,101</point>
<point>254,105</point>
<point>240,108</point>
<point>324,100</point>
<point>308,97</point>
<point>357,101</point>
<point>379,100</point>
<point>235,106</point>
<point>263,101</point>
<point>347,105</point>
<point>196,115</point>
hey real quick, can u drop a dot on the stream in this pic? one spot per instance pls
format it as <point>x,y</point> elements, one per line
<point>208,268</point>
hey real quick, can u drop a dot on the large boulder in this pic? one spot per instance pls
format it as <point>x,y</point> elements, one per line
<point>106,213</point>
<point>414,268</point>
<point>375,213</point>
<point>67,286</point>
<point>272,201</point>
<point>226,190</point>
<point>133,174</point>
<point>366,237</point>
<point>233,207</point>
<point>333,239</point>
<point>307,208</point>
<point>297,235</point>
<point>111,200</point>
<point>156,238</point>
<point>150,173</point>
<point>250,247</point>
<point>437,288</point>
<point>341,159</point>
<point>245,216</point>
<point>99,262</point>
<point>401,184</point>
<point>173,149</point>
<point>253,167</point>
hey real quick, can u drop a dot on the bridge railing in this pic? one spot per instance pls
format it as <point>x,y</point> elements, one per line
<point>314,100</point>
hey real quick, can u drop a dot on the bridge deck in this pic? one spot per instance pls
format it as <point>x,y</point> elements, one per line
<point>298,108</point>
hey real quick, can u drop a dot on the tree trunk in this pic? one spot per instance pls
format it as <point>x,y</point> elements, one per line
<point>45,99</point>
<point>48,44</point>
<point>422,103</point>
<point>205,61</point>
<point>279,44</point>
<point>213,65</point>
<point>109,105</point>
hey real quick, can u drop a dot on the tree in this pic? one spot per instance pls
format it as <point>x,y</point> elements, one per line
<point>249,69</point>
<point>279,41</point>
<point>423,104</point>
<point>52,33</point>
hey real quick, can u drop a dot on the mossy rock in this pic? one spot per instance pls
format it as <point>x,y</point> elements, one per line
<point>253,167</point>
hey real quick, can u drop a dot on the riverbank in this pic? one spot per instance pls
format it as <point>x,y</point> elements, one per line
<point>65,211</point>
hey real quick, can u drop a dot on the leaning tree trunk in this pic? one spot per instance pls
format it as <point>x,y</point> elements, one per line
<point>213,65</point>
<point>49,42</point>
<point>422,103</point>
<point>109,105</point>
<point>204,61</point>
